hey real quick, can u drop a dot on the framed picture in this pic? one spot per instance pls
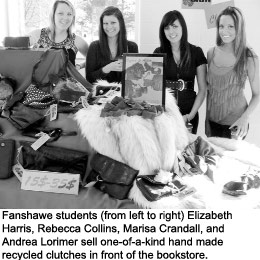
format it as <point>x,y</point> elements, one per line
<point>143,78</point>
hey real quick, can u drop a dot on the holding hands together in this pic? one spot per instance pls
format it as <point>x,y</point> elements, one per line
<point>113,66</point>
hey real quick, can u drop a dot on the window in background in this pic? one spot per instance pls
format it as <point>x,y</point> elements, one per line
<point>36,15</point>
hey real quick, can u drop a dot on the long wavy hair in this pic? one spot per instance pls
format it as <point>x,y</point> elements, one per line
<point>242,52</point>
<point>52,17</point>
<point>122,37</point>
<point>168,19</point>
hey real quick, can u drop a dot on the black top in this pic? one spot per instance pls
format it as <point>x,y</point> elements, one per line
<point>95,63</point>
<point>197,58</point>
<point>186,98</point>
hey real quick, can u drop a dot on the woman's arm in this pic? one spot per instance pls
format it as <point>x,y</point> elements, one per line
<point>202,88</point>
<point>82,45</point>
<point>83,49</point>
<point>34,36</point>
<point>253,76</point>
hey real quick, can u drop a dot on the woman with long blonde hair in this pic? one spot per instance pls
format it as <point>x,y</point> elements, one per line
<point>59,33</point>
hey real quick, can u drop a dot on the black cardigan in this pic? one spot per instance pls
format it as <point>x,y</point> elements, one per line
<point>95,63</point>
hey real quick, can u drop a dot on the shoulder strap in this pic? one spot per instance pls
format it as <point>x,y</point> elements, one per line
<point>211,55</point>
<point>44,54</point>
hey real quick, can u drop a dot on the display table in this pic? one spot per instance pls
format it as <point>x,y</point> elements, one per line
<point>18,64</point>
<point>11,196</point>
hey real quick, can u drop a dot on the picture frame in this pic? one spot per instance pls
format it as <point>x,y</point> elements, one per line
<point>143,78</point>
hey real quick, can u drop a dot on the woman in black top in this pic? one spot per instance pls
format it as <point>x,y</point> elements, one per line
<point>184,61</point>
<point>103,59</point>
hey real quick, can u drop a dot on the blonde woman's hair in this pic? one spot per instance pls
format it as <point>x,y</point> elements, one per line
<point>242,52</point>
<point>52,19</point>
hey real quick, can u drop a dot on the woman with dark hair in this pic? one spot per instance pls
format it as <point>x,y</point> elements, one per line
<point>184,62</point>
<point>231,62</point>
<point>103,59</point>
<point>59,34</point>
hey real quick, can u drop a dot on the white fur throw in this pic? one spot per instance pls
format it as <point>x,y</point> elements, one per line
<point>148,145</point>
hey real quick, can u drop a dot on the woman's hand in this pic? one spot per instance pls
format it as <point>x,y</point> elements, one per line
<point>242,126</point>
<point>113,66</point>
<point>186,118</point>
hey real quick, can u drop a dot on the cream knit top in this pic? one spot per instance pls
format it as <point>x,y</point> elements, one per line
<point>226,101</point>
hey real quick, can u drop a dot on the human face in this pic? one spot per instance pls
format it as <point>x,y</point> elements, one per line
<point>111,26</point>
<point>227,30</point>
<point>173,32</point>
<point>63,16</point>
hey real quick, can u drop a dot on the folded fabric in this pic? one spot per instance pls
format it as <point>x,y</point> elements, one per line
<point>120,106</point>
<point>200,158</point>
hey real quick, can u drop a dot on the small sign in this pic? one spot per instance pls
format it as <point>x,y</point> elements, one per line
<point>213,11</point>
<point>41,141</point>
<point>50,181</point>
<point>195,4</point>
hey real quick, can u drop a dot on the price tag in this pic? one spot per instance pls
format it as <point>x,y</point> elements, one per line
<point>18,171</point>
<point>41,141</point>
<point>50,182</point>
<point>53,112</point>
<point>110,93</point>
<point>186,192</point>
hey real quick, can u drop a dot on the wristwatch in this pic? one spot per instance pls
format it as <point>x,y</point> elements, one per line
<point>78,66</point>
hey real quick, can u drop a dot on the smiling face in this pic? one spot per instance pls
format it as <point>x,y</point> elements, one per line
<point>227,30</point>
<point>173,32</point>
<point>63,16</point>
<point>111,26</point>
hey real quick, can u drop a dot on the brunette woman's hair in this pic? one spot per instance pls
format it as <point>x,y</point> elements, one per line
<point>122,37</point>
<point>167,20</point>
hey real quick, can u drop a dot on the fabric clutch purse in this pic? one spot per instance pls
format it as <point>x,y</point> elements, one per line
<point>20,115</point>
<point>111,176</point>
<point>37,98</point>
<point>154,190</point>
<point>68,90</point>
<point>6,154</point>
<point>53,159</point>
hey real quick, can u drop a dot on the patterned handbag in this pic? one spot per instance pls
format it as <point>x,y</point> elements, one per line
<point>37,98</point>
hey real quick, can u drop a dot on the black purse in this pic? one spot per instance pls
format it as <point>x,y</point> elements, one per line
<point>53,159</point>
<point>111,176</point>
<point>20,115</point>
<point>7,147</point>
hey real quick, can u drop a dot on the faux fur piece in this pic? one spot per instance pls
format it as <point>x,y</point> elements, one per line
<point>149,145</point>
